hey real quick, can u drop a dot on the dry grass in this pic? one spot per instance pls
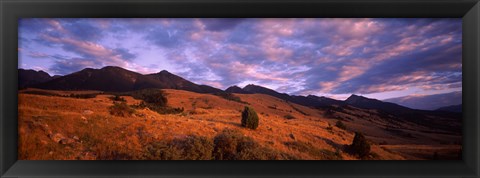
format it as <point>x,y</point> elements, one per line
<point>91,132</point>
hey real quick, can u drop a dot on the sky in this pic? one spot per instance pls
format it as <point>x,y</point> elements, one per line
<point>335,57</point>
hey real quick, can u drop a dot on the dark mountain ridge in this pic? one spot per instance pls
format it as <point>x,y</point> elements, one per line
<point>31,77</point>
<point>453,108</point>
<point>428,102</point>
<point>368,103</point>
<point>236,89</point>
<point>116,79</point>
<point>421,117</point>
<point>311,100</point>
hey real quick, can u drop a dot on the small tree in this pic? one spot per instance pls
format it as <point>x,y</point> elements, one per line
<point>249,118</point>
<point>360,145</point>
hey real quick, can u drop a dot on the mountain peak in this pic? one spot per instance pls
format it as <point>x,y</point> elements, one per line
<point>110,68</point>
<point>251,85</point>
<point>236,89</point>
<point>256,87</point>
<point>234,86</point>
<point>164,72</point>
<point>312,96</point>
<point>354,98</point>
<point>28,77</point>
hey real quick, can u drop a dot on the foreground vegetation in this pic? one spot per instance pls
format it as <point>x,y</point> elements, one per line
<point>172,125</point>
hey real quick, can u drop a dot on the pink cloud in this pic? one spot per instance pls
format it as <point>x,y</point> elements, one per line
<point>253,71</point>
<point>271,47</point>
<point>38,55</point>
<point>381,88</point>
<point>90,50</point>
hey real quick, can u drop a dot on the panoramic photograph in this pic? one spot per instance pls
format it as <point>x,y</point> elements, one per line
<point>240,89</point>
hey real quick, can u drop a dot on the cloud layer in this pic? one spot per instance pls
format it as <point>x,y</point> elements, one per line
<point>332,57</point>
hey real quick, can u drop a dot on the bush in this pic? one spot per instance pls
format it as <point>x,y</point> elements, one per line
<point>308,148</point>
<point>159,109</point>
<point>289,116</point>
<point>39,92</point>
<point>249,118</point>
<point>341,125</point>
<point>191,148</point>
<point>230,96</point>
<point>118,98</point>
<point>330,128</point>
<point>273,107</point>
<point>155,100</point>
<point>299,110</point>
<point>83,96</point>
<point>228,145</point>
<point>151,96</point>
<point>232,145</point>
<point>360,145</point>
<point>121,109</point>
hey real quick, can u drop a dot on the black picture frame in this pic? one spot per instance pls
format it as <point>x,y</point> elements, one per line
<point>12,10</point>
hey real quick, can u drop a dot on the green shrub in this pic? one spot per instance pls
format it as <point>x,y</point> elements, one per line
<point>121,109</point>
<point>341,125</point>
<point>360,145</point>
<point>190,148</point>
<point>249,118</point>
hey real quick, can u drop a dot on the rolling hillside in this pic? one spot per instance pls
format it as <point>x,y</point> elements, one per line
<point>75,128</point>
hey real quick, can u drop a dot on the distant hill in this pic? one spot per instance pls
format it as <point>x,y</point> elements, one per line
<point>236,89</point>
<point>453,108</point>
<point>263,90</point>
<point>311,100</point>
<point>117,79</point>
<point>428,102</point>
<point>31,77</point>
<point>368,103</point>
<point>326,101</point>
<point>421,117</point>
<point>171,81</point>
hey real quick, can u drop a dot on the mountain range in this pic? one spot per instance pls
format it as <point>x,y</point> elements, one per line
<point>452,108</point>
<point>429,102</point>
<point>117,79</point>
<point>32,77</point>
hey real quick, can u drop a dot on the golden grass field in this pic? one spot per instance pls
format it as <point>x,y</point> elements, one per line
<point>63,128</point>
